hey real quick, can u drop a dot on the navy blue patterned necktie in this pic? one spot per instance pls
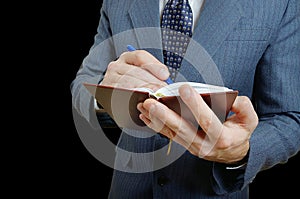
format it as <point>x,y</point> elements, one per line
<point>176,24</point>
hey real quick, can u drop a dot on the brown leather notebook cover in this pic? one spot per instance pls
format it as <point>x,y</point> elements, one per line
<point>120,103</point>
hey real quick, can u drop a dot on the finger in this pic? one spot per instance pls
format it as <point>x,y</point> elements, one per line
<point>193,143</point>
<point>144,76</point>
<point>155,124</point>
<point>164,130</point>
<point>122,68</point>
<point>245,112</point>
<point>205,117</point>
<point>160,113</point>
<point>174,136</point>
<point>126,75</point>
<point>144,112</point>
<point>146,61</point>
<point>125,81</point>
<point>152,122</point>
<point>146,120</point>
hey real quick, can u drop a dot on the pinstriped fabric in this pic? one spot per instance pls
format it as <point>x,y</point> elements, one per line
<point>259,43</point>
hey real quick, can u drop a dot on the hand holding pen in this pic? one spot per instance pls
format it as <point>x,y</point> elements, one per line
<point>131,48</point>
<point>133,70</point>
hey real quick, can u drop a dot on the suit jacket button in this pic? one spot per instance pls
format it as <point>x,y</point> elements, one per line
<point>162,180</point>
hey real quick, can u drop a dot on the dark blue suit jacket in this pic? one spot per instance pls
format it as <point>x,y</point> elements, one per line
<point>250,46</point>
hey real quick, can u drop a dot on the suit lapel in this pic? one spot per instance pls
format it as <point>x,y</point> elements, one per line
<point>145,17</point>
<point>217,19</point>
<point>142,14</point>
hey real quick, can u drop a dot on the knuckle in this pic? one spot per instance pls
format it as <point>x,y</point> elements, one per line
<point>223,143</point>
<point>205,153</point>
<point>244,100</point>
<point>207,122</point>
<point>200,154</point>
<point>255,121</point>
<point>139,54</point>
<point>112,65</point>
<point>123,54</point>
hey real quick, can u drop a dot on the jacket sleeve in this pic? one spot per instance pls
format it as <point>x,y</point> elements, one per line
<point>277,102</point>
<point>93,69</point>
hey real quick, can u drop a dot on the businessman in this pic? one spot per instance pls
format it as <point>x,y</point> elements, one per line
<point>250,46</point>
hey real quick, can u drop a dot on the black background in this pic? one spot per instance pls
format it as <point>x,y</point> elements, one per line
<point>69,169</point>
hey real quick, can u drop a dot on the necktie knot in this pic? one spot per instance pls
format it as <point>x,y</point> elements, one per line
<point>179,3</point>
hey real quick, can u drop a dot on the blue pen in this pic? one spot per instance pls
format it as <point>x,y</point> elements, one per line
<point>131,48</point>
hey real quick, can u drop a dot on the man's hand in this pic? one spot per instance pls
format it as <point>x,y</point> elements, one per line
<point>225,143</point>
<point>136,69</point>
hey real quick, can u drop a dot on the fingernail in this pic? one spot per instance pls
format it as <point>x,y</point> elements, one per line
<point>152,108</point>
<point>164,74</point>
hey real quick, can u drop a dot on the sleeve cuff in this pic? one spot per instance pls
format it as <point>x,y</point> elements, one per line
<point>229,178</point>
<point>241,166</point>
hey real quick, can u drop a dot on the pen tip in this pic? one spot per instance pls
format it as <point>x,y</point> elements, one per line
<point>130,48</point>
<point>169,81</point>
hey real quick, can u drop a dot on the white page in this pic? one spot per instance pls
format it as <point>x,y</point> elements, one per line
<point>172,89</point>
